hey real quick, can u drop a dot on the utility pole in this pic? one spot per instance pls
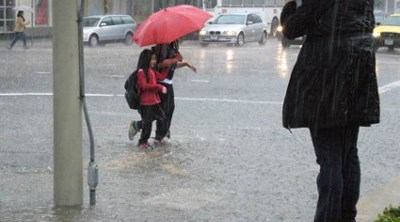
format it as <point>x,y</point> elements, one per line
<point>67,110</point>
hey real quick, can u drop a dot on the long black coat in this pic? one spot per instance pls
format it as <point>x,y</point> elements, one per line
<point>333,82</point>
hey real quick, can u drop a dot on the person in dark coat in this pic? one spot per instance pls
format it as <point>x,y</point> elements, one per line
<point>333,91</point>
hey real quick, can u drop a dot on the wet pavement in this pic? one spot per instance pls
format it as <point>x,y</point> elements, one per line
<point>228,159</point>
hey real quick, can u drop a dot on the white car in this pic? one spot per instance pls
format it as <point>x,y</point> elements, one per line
<point>108,28</point>
<point>234,28</point>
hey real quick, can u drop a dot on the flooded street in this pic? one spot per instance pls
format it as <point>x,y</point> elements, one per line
<point>228,159</point>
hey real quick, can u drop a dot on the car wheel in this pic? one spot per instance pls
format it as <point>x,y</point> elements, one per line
<point>240,39</point>
<point>204,44</point>
<point>263,38</point>
<point>128,38</point>
<point>391,48</point>
<point>93,41</point>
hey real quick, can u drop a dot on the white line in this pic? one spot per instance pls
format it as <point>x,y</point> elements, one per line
<point>26,94</point>
<point>199,80</point>
<point>228,100</point>
<point>115,76</point>
<point>43,72</point>
<point>177,98</point>
<point>101,95</point>
<point>382,89</point>
<point>389,87</point>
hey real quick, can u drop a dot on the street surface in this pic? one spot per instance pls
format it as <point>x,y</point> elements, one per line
<point>228,159</point>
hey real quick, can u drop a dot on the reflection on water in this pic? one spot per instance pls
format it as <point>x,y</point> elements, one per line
<point>229,60</point>
<point>282,62</point>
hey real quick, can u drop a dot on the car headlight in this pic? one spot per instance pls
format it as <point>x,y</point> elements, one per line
<point>376,34</point>
<point>202,32</point>
<point>230,33</point>
<point>279,29</point>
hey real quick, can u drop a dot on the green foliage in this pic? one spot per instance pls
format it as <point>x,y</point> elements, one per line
<point>390,214</point>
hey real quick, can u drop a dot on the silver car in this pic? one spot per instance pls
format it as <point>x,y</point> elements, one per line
<point>108,28</point>
<point>235,28</point>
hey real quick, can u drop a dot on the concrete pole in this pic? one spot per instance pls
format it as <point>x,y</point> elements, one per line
<point>68,162</point>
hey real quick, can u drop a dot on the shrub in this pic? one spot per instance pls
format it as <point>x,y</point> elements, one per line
<point>390,214</point>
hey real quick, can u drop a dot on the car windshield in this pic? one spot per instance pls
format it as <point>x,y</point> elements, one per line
<point>90,22</point>
<point>392,20</point>
<point>230,19</point>
<point>379,18</point>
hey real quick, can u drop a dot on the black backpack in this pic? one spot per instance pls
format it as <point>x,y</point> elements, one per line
<point>131,93</point>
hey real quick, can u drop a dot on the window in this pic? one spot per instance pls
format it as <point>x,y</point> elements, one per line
<point>90,22</point>
<point>107,20</point>
<point>7,16</point>
<point>257,19</point>
<point>236,2</point>
<point>250,18</point>
<point>247,2</point>
<point>230,19</point>
<point>127,20</point>
<point>41,12</point>
<point>117,20</point>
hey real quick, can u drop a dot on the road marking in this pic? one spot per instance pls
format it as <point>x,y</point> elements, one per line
<point>228,100</point>
<point>199,80</point>
<point>115,76</point>
<point>26,94</point>
<point>43,73</point>
<point>382,90</point>
<point>389,87</point>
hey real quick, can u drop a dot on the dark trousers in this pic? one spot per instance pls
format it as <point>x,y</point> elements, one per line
<point>18,35</point>
<point>338,181</point>
<point>168,105</point>
<point>148,115</point>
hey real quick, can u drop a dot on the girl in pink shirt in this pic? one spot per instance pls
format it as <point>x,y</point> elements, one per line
<point>149,91</point>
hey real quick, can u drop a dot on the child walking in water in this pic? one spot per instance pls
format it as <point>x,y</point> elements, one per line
<point>149,90</point>
<point>168,58</point>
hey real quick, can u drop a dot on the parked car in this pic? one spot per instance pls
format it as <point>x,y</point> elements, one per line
<point>234,28</point>
<point>108,28</point>
<point>387,34</point>
<point>286,43</point>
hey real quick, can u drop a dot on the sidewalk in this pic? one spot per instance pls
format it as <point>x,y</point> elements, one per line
<point>373,204</point>
<point>36,42</point>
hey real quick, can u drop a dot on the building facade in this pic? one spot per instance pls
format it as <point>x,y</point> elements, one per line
<point>41,16</point>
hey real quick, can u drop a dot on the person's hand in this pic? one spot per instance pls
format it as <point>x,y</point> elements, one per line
<point>192,67</point>
<point>163,89</point>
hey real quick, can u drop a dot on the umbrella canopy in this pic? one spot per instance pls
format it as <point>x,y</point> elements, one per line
<point>169,24</point>
<point>23,8</point>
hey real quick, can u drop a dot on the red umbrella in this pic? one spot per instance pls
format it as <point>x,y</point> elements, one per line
<point>169,24</point>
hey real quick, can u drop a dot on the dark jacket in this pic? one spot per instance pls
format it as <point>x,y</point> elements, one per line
<point>333,82</point>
